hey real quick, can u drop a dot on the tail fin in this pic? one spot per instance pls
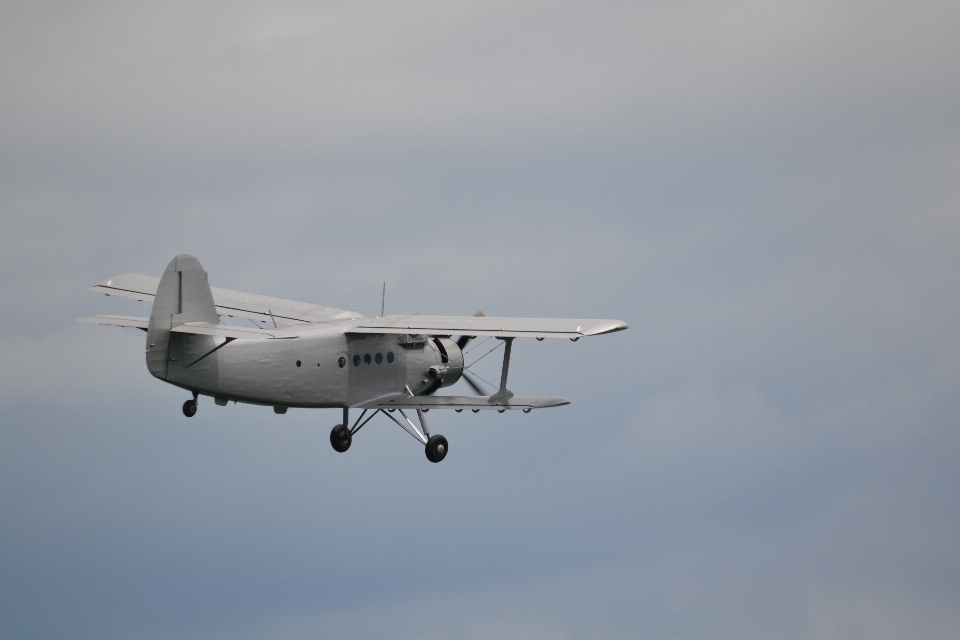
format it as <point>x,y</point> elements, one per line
<point>183,295</point>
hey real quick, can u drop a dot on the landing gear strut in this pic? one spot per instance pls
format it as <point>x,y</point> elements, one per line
<point>190,406</point>
<point>342,434</point>
<point>435,447</point>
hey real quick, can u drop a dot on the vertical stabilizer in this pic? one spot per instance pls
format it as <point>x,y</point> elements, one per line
<point>183,295</point>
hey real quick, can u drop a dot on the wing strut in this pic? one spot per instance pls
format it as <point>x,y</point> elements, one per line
<point>504,393</point>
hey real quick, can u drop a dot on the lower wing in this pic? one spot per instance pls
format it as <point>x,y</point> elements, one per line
<point>474,403</point>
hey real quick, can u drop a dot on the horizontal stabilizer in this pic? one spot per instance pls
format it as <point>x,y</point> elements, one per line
<point>487,326</point>
<point>230,303</point>
<point>117,321</point>
<point>468,402</point>
<point>130,285</point>
<point>224,331</point>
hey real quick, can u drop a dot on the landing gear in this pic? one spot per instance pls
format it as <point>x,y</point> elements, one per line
<point>190,406</point>
<point>436,448</point>
<point>340,438</point>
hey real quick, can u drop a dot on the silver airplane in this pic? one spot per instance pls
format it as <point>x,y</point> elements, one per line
<point>297,354</point>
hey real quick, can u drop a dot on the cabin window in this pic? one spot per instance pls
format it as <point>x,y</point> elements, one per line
<point>379,358</point>
<point>366,359</point>
<point>356,361</point>
<point>298,363</point>
<point>341,362</point>
<point>390,356</point>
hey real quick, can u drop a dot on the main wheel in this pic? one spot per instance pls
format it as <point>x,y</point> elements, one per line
<point>190,408</point>
<point>436,448</point>
<point>340,438</point>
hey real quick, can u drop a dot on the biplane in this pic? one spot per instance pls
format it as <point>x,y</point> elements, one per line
<point>296,354</point>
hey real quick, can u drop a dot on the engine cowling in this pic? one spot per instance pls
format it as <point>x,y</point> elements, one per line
<point>447,367</point>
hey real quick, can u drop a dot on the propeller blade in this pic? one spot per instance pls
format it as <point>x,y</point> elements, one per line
<point>432,389</point>
<point>463,340</point>
<point>473,384</point>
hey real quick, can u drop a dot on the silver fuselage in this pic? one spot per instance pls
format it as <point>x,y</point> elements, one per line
<point>303,371</point>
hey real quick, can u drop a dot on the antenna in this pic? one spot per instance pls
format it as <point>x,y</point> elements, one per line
<point>383,299</point>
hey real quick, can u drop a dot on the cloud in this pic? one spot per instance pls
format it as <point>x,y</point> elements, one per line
<point>361,77</point>
<point>751,605</point>
<point>73,364</point>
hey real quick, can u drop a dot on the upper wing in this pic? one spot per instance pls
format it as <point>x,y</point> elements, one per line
<point>233,303</point>
<point>484,326</point>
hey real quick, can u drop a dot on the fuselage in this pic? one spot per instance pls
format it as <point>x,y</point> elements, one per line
<point>323,366</point>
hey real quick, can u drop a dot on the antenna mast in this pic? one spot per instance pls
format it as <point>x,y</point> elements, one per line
<point>383,299</point>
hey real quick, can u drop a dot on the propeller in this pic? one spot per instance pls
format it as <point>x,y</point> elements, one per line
<point>468,377</point>
<point>462,342</point>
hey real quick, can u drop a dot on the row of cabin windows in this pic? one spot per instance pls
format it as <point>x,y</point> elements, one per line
<point>342,362</point>
<point>377,358</point>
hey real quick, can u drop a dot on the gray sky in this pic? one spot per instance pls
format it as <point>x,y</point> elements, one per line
<point>767,193</point>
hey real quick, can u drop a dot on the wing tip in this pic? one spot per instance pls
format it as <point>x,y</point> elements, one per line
<point>609,326</point>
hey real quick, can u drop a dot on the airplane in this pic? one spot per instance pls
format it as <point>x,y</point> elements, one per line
<point>297,354</point>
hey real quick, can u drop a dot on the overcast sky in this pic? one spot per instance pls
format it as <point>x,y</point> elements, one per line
<point>768,193</point>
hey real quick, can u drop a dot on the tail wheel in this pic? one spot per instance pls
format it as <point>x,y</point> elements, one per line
<point>190,408</point>
<point>340,438</point>
<point>436,448</point>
